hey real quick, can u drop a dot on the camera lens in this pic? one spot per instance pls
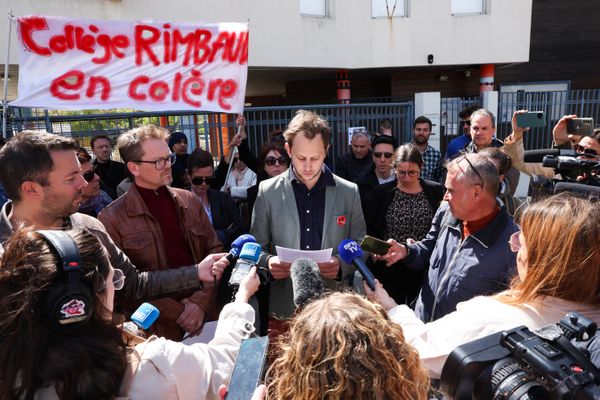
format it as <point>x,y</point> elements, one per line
<point>510,382</point>
<point>540,115</point>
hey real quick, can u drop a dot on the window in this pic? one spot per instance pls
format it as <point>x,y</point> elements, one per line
<point>466,7</point>
<point>316,8</point>
<point>388,8</point>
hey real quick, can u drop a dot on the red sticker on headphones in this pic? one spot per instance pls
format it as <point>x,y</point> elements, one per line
<point>72,310</point>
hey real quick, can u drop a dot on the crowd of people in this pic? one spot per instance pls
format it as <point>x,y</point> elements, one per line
<point>465,258</point>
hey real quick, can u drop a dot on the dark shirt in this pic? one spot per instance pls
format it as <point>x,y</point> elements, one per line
<point>162,207</point>
<point>111,173</point>
<point>350,167</point>
<point>311,209</point>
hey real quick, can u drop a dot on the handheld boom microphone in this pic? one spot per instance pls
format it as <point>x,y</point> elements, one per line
<point>236,246</point>
<point>142,318</point>
<point>248,258</point>
<point>351,253</point>
<point>307,283</point>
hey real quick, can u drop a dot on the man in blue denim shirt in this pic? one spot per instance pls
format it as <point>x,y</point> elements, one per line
<point>467,248</point>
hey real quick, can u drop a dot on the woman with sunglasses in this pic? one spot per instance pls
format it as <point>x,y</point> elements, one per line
<point>273,161</point>
<point>404,210</point>
<point>94,199</point>
<point>91,357</point>
<point>219,206</point>
<point>558,264</point>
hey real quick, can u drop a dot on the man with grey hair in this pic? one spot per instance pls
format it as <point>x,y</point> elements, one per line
<point>467,248</point>
<point>359,161</point>
<point>483,131</point>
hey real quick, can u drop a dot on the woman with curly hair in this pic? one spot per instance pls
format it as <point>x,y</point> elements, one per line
<point>58,341</point>
<point>345,347</point>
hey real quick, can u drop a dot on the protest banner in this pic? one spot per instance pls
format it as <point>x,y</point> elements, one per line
<point>67,63</point>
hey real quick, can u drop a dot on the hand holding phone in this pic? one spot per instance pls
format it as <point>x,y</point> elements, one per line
<point>580,126</point>
<point>374,245</point>
<point>531,119</point>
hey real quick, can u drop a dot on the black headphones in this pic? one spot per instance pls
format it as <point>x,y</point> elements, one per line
<point>69,302</point>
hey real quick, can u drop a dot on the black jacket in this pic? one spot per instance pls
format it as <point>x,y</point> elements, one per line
<point>226,217</point>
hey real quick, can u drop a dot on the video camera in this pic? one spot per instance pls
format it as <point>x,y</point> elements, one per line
<point>569,165</point>
<point>520,364</point>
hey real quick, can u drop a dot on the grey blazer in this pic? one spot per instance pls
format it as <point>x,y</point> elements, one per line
<point>275,222</point>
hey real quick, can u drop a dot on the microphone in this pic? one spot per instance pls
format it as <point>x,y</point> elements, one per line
<point>236,246</point>
<point>351,253</point>
<point>579,189</point>
<point>537,156</point>
<point>142,318</point>
<point>248,258</point>
<point>307,283</point>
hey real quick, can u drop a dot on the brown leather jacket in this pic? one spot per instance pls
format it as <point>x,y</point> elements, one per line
<point>130,224</point>
<point>138,285</point>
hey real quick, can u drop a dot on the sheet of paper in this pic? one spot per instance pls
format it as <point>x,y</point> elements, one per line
<point>291,255</point>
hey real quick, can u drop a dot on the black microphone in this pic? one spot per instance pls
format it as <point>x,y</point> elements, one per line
<point>577,189</point>
<point>351,253</point>
<point>537,156</point>
<point>237,244</point>
<point>307,283</point>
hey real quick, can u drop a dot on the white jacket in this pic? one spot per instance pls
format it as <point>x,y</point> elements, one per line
<point>474,319</point>
<point>173,370</point>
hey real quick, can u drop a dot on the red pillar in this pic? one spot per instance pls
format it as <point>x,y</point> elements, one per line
<point>343,86</point>
<point>486,80</point>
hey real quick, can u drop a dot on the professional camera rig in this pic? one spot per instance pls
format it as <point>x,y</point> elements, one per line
<point>520,364</point>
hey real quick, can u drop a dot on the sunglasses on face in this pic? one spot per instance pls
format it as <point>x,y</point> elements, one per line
<point>199,180</point>
<point>270,161</point>
<point>379,154</point>
<point>465,122</point>
<point>89,175</point>
<point>584,151</point>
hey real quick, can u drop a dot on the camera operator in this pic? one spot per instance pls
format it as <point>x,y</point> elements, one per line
<point>558,263</point>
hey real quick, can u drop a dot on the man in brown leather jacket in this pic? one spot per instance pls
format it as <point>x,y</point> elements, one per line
<point>41,176</point>
<point>161,227</point>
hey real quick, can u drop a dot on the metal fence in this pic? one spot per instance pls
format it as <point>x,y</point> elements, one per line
<point>555,104</point>
<point>212,130</point>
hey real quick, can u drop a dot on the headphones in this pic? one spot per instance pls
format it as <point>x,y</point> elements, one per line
<point>69,302</point>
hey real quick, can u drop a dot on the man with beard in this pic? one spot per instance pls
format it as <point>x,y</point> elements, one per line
<point>42,177</point>
<point>160,227</point>
<point>432,159</point>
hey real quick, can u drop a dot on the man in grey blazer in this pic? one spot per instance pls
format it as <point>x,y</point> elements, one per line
<point>306,207</point>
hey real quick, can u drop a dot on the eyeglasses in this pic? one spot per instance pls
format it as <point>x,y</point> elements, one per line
<point>270,161</point>
<point>466,122</point>
<point>88,175</point>
<point>161,163</point>
<point>379,154</point>
<point>472,167</point>
<point>199,180</point>
<point>585,151</point>
<point>118,280</point>
<point>514,242</point>
<point>412,172</point>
